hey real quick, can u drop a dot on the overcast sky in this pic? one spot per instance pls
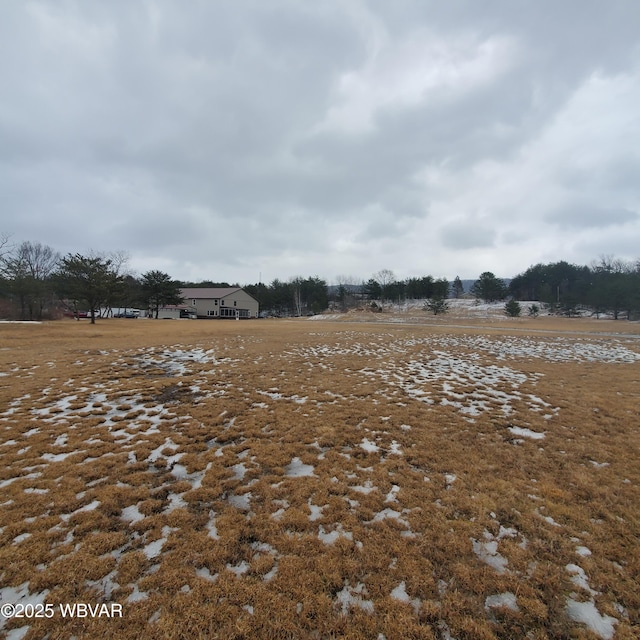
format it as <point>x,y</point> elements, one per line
<point>233,140</point>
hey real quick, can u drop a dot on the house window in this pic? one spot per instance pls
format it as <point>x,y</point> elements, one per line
<point>194,303</point>
<point>215,301</point>
<point>222,302</point>
<point>235,303</point>
<point>211,312</point>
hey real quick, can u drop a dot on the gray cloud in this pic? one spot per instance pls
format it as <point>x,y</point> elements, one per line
<point>589,217</point>
<point>467,235</point>
<point>284,138</point>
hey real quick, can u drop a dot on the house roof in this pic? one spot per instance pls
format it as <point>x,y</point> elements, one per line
<point>208,293</point>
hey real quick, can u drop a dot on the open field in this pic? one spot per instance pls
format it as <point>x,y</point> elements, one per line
<point>317,479</point>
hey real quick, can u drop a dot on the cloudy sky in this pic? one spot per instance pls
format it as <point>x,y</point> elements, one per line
<point>247,139</point>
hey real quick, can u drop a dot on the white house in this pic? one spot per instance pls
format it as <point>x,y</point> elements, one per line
<point>220,302</point>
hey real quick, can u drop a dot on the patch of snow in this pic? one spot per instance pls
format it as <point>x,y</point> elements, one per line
<point>488,553</point>
<point>241,502</point>
<point>579,578</point>
<point>211,526</point>
<point>487,549</point>
<point>176,501</point>
<point>88,507</point>
<point>136,595</point>
<point>61,440</point>
<point>57,457</point>
<point>204,572</point>
<point>153,549</point>
<point>21,537</point>
<point>239,569</point>
<point>351,597</point>
<point>332,536</point>
<point>445,631</point>
<point>400,593</point>
<point>132,514</point>
<point>507,600</point>
<point>369,446</point>
<point>391,496</point>
<point>179,471</point>
<point>20,595</point>
<point>239,471</point>
<point>588,614</point>
<point>367,488</point>
<point>549,520</point>
<point>157,452</point>
<point>526,433</point>
<point>17,634</point>
<point>394,449</point>
<point>296,469</point>
<point>316,511</point>
<point>391,515</point>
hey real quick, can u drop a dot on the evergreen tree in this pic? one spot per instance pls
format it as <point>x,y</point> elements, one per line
<point>372,290</point>
<point>489,288</point>
<point>85,279</point>
<point>440,288</point>
<point>457,289</point>
<point>512,309</point>
<point>159,289</point>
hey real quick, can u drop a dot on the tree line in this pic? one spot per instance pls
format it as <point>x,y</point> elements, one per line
<point>37,282</point>
<point>608,285</point>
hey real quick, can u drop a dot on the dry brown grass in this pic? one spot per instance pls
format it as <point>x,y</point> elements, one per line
<point>296,479</point>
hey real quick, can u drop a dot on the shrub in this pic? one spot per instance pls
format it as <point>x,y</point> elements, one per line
<point>513,309</point>
<point>436,306</point>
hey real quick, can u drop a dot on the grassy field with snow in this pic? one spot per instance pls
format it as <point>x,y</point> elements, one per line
<point>453,478</point>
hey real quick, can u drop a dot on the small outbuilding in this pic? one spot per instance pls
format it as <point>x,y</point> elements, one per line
<point>221,302</point>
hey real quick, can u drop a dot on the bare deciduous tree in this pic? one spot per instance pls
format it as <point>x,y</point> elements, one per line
<point>29,269</point>
<point>346,291</point>
<point>384,278</point>
<point>4,244</point>
<point>296,289</point>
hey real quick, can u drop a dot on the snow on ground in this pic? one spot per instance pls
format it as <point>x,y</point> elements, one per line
<point>353,597</point>
<point>526,433</point>
<point>586,612</point>
<point>400,593</point>
<point>457,363</point>
<point>414,310</point>
<point>468,373</point>
<point>296,469</point>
